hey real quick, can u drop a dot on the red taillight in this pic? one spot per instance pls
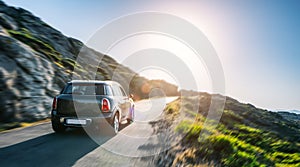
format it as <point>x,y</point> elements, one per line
<point>105,105</point>
<point>54,103</point>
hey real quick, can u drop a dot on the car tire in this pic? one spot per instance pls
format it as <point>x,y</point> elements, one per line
<point>116,123</point>
<point>57,126</point>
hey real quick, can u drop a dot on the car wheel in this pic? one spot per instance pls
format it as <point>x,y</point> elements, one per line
<point>116,123</point>
<point>57,126</point>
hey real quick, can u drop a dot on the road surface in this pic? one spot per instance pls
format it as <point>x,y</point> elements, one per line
<point>134,145</point>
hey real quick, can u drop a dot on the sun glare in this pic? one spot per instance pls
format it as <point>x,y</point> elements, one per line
<point>126,48</point>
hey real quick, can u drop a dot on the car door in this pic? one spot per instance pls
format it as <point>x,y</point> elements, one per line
<point>126,101</point>
<point>121,100</point>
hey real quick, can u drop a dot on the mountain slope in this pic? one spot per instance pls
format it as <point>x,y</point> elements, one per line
<point>37,60</point>
<point>244,136</point>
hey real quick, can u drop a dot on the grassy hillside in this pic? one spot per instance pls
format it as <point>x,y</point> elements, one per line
<point>245,136</point>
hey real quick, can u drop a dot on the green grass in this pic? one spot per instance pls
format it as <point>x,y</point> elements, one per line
<point>284,158</point>
<point>226,149</point>
<point>26,37</point>
<point>234,143</point>
<point>46,49</point>
<point>190,129</point>
<point>173,108</point>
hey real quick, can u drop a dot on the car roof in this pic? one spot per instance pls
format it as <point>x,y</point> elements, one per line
<point>92,82</point>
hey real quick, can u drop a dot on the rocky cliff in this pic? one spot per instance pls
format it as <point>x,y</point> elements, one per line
<point>37,60</point>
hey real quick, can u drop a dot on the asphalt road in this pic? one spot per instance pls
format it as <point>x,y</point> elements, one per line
<point>135,145</point>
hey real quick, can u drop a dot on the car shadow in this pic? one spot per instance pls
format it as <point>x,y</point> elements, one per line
<point>51,149</point>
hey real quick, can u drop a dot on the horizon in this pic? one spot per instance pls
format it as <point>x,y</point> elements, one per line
<point>255,48</point>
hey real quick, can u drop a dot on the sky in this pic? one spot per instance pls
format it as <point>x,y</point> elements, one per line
<point>257,41</point>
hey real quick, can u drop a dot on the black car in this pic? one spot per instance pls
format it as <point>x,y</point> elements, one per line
<point>84,103</point>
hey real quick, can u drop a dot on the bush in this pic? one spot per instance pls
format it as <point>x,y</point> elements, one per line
<point>241,159</point>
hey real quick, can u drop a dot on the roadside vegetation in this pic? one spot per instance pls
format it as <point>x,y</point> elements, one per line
<point>241,138</point>
<point>25,36</point>
<point>14,125</point>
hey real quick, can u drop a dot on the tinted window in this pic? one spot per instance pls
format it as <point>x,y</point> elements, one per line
<point>67,89</point>
<point>108,90</point>
<point>85,89</point>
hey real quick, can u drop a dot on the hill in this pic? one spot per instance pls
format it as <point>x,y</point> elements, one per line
<point>244,136</point>
<point>37,60</point>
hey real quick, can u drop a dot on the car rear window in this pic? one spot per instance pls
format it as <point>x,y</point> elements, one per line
<point>85,89</point>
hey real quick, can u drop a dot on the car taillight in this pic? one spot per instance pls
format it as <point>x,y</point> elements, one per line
<point>105,105</point>
<point>54,103</point>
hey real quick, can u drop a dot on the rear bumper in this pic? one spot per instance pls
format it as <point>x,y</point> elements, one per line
<point>68,121</point>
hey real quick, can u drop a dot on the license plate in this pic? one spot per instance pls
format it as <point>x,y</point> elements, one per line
<point>76,121</point>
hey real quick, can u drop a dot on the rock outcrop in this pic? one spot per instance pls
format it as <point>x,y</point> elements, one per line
<point>37,60</point>
<point>27,75</point>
